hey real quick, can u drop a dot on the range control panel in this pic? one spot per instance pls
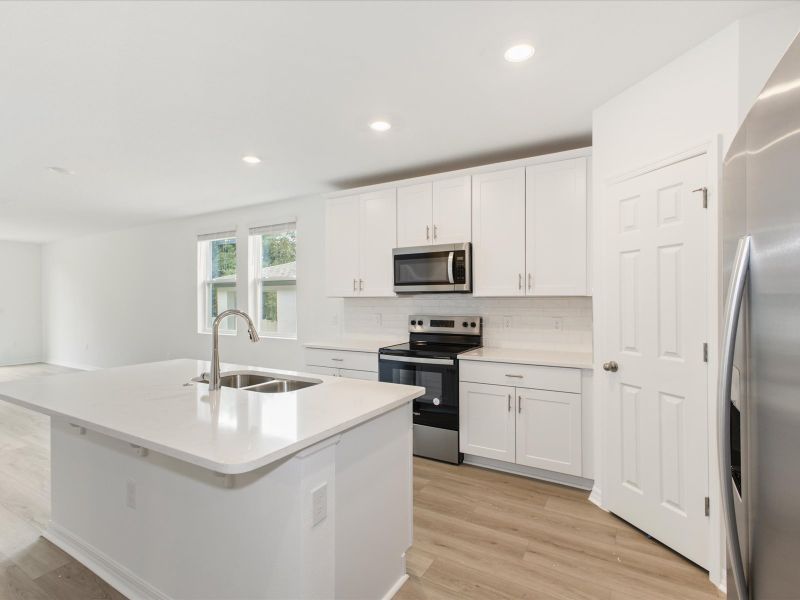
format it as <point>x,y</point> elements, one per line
<point>469,324</point>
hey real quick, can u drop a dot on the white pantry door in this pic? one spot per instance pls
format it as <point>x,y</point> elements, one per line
<point>655,292</point>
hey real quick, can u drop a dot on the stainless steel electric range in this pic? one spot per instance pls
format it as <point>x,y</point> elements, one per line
<point>430,360</point>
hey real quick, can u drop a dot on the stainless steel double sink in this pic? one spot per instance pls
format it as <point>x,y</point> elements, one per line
<point>255,381</point>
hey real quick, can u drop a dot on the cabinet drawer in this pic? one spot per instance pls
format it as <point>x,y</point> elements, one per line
<point>528,376</point>
<point>366,375</point>
<point>342,359</point>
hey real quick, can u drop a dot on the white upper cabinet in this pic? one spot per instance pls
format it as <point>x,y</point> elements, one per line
<point>378,237</point>
<point>414,214</point>
<point>498,233</point>
<point>452,210</point>
<point>556,228</point>
<point>361,232</point>
<point>434,213</point>
<point>342,246</point>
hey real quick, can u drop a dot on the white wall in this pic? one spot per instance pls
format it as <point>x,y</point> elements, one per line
<point>131,296</point>
<point>20,303</point>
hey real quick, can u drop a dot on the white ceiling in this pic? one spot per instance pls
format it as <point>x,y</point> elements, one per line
<point>152,104</point>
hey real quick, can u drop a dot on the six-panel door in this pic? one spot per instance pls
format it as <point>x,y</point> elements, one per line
<point>549,430</point>
<point>487,421</point>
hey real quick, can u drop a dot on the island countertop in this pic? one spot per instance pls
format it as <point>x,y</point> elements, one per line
<point>156,406</point>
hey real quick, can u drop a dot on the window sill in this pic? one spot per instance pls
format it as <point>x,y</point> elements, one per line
<point>230,333</point>
<point>266,336</point>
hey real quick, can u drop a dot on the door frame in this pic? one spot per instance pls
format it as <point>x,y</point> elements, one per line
<point>713,149</point>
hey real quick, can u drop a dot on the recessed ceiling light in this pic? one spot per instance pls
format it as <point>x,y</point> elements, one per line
<point>380,126</point>
<point>61,170</point>
<point>519,53</point>
<point>251,160</point>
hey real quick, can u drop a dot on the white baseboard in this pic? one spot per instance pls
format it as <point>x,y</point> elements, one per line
<point>596,498</point>
<point>395,588</point>
<point>532,472</point>
<point>71,365</point>
<point>120,578</point>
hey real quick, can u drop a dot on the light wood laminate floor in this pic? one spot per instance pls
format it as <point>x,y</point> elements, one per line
<point>478,534</point>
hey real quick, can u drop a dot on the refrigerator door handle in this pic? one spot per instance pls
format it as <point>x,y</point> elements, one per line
<point>733,305</point>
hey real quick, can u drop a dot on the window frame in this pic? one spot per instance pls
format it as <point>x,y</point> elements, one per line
<point>205,281</point>
<point>255,279</point>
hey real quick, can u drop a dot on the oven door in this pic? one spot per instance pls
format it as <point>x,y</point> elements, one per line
<point>438,407</point>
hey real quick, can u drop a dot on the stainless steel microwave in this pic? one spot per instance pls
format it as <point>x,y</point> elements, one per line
<point>442,268</point>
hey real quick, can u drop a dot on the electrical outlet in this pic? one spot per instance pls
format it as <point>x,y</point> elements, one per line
<point>558,323</point>
<point>319,504</point>
<point>508,322</point>
<point>130,494</point>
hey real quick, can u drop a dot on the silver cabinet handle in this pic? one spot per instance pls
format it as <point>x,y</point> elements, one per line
<point>509,403</point>
<point>360,285</point>
<point>435,232</point>
<point>733,305</point>
<point>514,376</point>
<point>355,285</point>
<point>337,359</point>
<point>520,281</point>
<point>611,366</point>
<point>519,405</point>
<point>529,281</point>
<point>427,232</point>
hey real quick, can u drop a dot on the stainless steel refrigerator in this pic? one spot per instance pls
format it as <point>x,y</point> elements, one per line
<point>759,387</point>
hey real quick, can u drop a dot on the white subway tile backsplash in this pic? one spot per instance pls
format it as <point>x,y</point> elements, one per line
<point>532,319</point>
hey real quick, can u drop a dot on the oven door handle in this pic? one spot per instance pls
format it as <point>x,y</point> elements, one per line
<point>450,276</point>
<point>418,360</point>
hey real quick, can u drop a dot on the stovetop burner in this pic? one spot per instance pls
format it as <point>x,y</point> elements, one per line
<point>439,336</point>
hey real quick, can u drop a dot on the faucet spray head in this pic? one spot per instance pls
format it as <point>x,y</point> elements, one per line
<point>251,331</point>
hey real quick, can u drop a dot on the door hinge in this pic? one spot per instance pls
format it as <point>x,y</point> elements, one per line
<point>708,506</point>
<point>705,352</point>
<point>705,195</point>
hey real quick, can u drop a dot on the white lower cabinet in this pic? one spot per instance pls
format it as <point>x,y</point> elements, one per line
<point>487,420</point>
<point>549,430</point>
<point>527,426</point>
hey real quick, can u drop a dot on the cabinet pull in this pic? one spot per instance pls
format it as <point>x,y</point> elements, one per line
<point>514,376</point>
<point>360,285</point>
<point>355,285</point>
<point>520,281</point>
<point>427,232</point>
<point>435,231</point>
<point>337,359</point>
<point>529,281</point>
<point>509,403</point>
<point>519,404</point>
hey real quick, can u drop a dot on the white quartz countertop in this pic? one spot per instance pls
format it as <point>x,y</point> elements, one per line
<point>523,356</point>
<point>354,344</point>
<point>155,406</point>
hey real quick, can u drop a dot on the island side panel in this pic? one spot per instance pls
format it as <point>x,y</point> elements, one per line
<point>374,504</point>
<point>188,535</point>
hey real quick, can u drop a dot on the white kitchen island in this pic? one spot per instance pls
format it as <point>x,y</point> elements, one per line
<point>167,490</point>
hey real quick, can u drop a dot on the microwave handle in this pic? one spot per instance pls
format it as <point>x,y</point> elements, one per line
<point>450,277</point>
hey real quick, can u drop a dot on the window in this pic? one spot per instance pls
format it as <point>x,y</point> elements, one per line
<point>216,257</point>
<point>274,279</point>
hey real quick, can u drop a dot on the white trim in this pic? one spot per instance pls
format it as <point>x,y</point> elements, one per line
<point>530,472</point>
<point>395,588</point>
<point>117,576</point>
<point>520,162</point>
<point>671,159</point>
<point>596,498</point>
